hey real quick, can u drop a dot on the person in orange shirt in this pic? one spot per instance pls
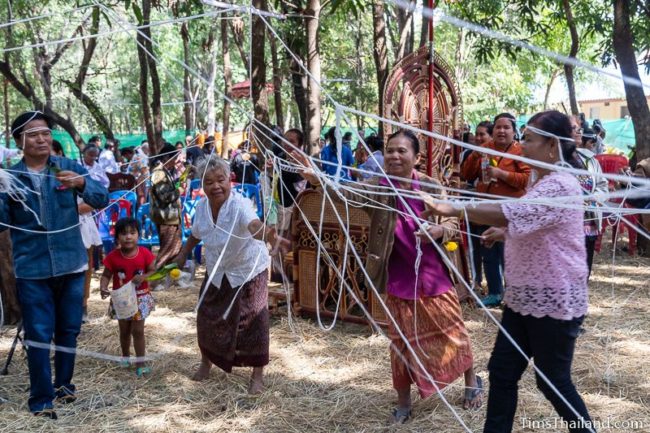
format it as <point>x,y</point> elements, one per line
<point>498,176</point>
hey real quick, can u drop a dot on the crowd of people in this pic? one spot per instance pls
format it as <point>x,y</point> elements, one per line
<point>543,290</point>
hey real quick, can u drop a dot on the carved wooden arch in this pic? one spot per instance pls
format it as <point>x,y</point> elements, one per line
<point>406,100</point>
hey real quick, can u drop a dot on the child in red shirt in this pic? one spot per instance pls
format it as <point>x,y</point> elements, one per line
<point>130,262</point>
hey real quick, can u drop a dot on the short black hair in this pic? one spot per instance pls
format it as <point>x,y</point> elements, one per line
<point>330,136</point>
<point>57,147</point>
<point>19,123</point>
<point>375,143</point>
<point>127,150</point>
<point>94,139</point>
<point>489,126</point>
<point>508,116</point>
<point>299,134</point>
<point>124,223</point>
<point>347,136</point>
<point>558,124</point>
<point>415,143</point>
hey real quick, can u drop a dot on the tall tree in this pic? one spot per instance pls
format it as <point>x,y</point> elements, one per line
<point>187,84</point>
<point>258,72</point>
<point>575,46</point>
<point>312,19</point>
<point>156,103</point>
<point>209,47</point>
<point>76,87</point>
<point>143,82</point>
<point>227,80</point>
<point>624,49</point>
<point>277,81</point>
<point>237,27</point>
<point>405,26</point>
<point>380,52</point>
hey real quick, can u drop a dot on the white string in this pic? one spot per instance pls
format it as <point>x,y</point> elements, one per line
<point>13,22</point>
<point>112,32</point>
<point>337,215</point>
<point>418,260</point>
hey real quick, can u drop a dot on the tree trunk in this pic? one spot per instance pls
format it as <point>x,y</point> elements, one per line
<point>380,52</point>
<point>626,58</point>
<point>575,45</point>
<point>299,85</point>
<point>5,93</point>
<point>313,64</point>
<point>187,92</point>
<point>237,27</point>
<point>76,88</point>
<point>156,106</point>
<point>227,80</point>
<point>424,27</point>
<point>212,76</point>
<point>547,94</point>
<point>258,71</point>
<point>144,90</point>
<point>404,28</point>
<point>277,82</point>
<point>5,82</point>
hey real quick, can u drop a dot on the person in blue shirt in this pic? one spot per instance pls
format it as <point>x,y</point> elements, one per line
<point>329,157</point>
<point>49,256</point>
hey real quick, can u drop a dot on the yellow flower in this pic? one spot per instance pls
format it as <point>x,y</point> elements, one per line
<point>175,274</point>
<point>451,246</point>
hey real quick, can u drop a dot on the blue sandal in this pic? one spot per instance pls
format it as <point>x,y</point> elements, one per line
<point>143,371</point>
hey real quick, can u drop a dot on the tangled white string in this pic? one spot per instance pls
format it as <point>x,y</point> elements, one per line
<point>325,180</point>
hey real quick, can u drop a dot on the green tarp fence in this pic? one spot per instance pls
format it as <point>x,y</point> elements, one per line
<point>126,140</point>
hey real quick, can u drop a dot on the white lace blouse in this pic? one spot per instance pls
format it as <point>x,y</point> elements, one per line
<point>228,244</point>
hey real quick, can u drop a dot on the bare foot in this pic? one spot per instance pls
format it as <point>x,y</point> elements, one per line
<point>473,394</point>
<point>202,373</point>
<point>256,385</point>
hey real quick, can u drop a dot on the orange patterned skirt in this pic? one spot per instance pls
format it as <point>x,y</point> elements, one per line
<point>441,342</point>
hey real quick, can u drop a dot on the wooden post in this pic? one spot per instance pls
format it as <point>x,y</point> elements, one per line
<point>8,282</point>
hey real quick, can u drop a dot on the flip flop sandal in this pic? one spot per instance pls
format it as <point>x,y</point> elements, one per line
<point>143,371</point>
<point>46,413</point>
<point>472,394</point>
<point>64,396</point>
<point>124,363</point>
<point>400,415</point>
<point>66,399</point>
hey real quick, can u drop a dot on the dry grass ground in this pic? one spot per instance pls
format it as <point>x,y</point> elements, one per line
<point>335,381</point>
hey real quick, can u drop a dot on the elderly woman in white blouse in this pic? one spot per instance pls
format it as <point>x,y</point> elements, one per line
<point>233,320</point>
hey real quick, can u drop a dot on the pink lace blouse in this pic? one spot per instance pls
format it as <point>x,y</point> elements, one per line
<point>545,256</point>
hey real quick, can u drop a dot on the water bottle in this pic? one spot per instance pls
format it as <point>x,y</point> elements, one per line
<point>485,163</point>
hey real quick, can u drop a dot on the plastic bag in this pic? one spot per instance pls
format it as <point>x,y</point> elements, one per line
<point>125,301</point>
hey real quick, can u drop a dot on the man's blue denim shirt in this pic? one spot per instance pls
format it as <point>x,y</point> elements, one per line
<point>45,255</point>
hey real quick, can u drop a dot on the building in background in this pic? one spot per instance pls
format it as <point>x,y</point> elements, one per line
<point>605,109</point>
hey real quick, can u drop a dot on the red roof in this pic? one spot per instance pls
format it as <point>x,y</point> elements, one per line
<point>242,90</point>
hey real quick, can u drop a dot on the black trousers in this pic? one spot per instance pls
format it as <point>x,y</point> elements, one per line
<point>550,342</point>
<point>590,243</point>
